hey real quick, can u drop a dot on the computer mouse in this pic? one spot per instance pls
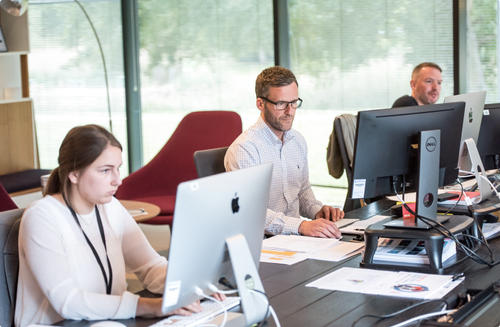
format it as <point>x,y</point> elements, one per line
<point>108,323</point>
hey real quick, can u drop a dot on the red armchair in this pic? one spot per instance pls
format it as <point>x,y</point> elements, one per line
<point>6,202</point>
<point>157,181</point>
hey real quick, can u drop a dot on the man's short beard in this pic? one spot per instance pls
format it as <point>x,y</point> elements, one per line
<point>271,120</point>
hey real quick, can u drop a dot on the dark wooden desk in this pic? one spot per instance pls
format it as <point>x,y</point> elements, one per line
<point>297,305</point>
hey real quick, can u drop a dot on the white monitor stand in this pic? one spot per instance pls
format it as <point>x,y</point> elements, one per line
<point>247,277</point>
<point>471,161</point>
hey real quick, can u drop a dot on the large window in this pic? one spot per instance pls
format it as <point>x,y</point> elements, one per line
<point>482,48</point>
<point>200,55</point>
<point>67,80</point>
<point>352,55</point>
<point>348,55</point>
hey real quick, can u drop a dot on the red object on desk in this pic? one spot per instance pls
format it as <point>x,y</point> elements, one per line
<point>406,213</point>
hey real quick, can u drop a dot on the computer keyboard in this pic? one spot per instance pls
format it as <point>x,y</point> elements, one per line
<point>210,310</point>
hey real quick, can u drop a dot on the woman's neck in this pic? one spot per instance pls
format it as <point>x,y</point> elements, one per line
<point>79,204</point>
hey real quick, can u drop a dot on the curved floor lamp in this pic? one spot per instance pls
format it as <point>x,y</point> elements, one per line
<point>18,7</point>
<point>103,63</point>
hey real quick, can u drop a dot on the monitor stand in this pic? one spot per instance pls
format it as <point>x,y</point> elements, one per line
<point>470,160</point>
<point>433,240</point>
<point>426,206</point>
<point>247,277</point>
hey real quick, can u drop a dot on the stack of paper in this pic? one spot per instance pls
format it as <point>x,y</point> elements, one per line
<point>409,251</point>
<point>380,282</point>
<point>360,226</point>
<point>491,230</point>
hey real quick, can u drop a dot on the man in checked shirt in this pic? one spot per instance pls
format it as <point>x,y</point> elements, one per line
<point>272,139</point>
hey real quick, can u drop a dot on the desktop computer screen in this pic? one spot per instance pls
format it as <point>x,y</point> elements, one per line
<point>488,143</point>
<point>385,147</point>
<point>473,115</point>
<point>211,215</point>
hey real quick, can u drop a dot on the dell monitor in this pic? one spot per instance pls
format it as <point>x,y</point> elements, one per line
<point>217,232</point>
<point>386,151</point>
<point>488,143</point>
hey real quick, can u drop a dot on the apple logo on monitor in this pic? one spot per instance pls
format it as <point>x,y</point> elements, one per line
<point>234,203</point>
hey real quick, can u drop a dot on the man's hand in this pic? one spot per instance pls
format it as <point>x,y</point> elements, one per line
<point>319,228</point>
<point>329,213</point>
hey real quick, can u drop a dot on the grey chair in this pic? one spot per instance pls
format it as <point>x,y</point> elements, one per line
<point>210,162</point>
<point>9,261</point>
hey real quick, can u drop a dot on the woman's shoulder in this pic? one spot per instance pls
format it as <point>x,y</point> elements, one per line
<point>48,202</point>
<point>42,211</point>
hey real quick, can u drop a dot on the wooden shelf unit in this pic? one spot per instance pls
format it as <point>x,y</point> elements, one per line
<point>17,137</point>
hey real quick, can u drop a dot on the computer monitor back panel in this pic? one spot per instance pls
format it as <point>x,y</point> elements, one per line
<point>384,140</point>
<point>488,143</point>
<point>473,113</point>
<point>207,212</point>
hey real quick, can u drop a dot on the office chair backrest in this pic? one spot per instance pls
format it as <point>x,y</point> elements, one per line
<point>6,202</point>
<point>210,162</point>
<point>9,261</point>
<point>174,163</point>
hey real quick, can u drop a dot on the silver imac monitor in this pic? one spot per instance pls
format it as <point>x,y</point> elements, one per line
<point>217,232</point>
<point>469,161</point>
<point>473,114</point>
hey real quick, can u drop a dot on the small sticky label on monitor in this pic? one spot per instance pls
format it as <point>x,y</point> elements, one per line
<point>358,190</point>
<point>486,112</point>
<point>172,293</point>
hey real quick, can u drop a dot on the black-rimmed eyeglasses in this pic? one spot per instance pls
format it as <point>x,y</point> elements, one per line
<point>282,105</point>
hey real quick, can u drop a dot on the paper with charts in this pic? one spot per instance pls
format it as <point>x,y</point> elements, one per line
<point>290,249</point>
<point>389,283</point>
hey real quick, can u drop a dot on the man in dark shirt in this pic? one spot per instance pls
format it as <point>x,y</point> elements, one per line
<point>425,86</point>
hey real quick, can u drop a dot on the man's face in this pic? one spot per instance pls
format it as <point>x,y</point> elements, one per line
<point>279,120</point>
<point>427,85</point>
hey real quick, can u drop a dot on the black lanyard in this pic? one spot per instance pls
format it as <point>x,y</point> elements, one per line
<point>101,229</point>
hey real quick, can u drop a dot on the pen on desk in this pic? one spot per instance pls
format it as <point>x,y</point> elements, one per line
<point>457,276</point>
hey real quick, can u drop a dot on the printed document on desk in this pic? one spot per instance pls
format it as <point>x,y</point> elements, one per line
<point>388,283</point>
<point>338,252</point>
<point>298,243</point>
<point>360,226</point>
<point>344,222</point>
<point>491,230</point>
<point>409,251</point>
<point>282,257</point>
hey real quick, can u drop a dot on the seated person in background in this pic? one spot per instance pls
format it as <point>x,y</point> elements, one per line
<point>272,139</point>
<point>425,86</point>
<point>76,243</point>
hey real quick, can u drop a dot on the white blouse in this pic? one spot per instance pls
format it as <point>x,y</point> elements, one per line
<point>59,277</point>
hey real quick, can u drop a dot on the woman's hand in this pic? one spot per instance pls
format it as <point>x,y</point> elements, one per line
<point>152,308</point>
<point>219,296</point>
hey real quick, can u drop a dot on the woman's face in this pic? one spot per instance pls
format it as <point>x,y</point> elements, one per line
<point>98,182</point>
